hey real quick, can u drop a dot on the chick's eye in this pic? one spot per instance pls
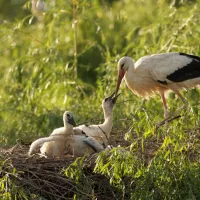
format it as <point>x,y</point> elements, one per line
<point>68,115</point>
<point>106,99</point>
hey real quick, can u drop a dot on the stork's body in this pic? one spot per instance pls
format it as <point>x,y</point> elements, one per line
<point>158,73</point>
<point>54,145</point>
<point>80,145</point>
<point>63,141</point>
<point>100,132</point>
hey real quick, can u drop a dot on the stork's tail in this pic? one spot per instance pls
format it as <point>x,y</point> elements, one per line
<point>37,143</point>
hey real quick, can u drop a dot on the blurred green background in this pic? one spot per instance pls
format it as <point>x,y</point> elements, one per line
<point>64,57</point>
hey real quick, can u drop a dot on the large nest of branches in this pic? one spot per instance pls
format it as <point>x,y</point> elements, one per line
<point>43,177</point>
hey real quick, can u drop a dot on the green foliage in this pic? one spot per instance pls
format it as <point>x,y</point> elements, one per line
<point>171,172</point>
<point>65,59</point>
<point>157,165</point>
<point>75,171</point>
<point>9,189</point>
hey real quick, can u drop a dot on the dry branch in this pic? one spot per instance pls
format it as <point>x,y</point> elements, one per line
<point>45,177</point>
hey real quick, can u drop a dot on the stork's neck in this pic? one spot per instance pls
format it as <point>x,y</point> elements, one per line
<point>130,74</point>
<point>68,127</point>
<point>131,67</point>
<point>108,122</point>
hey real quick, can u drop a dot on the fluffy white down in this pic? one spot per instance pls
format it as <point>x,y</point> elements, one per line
<point>60,131</point>
<point>79,146</point>
<point>37,143</point>
<point>96,131</point>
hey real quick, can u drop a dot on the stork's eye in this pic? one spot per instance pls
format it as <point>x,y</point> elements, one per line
<point>122,65</point>
<point>68,115</point>
<point>106,99</point>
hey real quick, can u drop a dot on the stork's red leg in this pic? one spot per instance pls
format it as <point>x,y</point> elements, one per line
<point>166,113</point>
<point>181,97</point>
<point>185,103</point>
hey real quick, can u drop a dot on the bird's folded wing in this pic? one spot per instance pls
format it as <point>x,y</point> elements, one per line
<point>176,68</point>
<point>94,144</point>
<point>78,131</point>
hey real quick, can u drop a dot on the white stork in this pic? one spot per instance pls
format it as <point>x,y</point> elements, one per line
<point>54,145</point>
<point>101,132</point>
<point>62,140</point>
<point>158,73</point>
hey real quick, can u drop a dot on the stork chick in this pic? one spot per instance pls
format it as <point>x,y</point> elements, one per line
<point>54,145</point>
<point>102,131</point>
<point>159,73</point>
<point>80,145</point>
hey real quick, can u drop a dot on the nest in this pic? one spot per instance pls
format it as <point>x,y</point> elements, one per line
<point>42,177</point>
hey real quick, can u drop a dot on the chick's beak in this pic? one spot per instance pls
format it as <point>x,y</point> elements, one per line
<point>111,96</point>
<point>72,122</point>
<point>114,100</point>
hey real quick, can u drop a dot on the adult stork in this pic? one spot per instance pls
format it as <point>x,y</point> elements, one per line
<point>159,73</point>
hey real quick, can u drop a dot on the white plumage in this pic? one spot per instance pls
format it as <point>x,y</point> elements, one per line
<point>69,123</point>
<point>80,145</point>
<point>158,73</point>
<point>54,145</point>
<point>62,140</point>
<point>101,132</point>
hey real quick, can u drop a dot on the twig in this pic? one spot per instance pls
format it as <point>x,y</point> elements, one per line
<point>163,122</point>
<point>106,136</point>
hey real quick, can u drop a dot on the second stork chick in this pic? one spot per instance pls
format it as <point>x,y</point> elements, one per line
<point>100,132</point>
<point>54,145</point>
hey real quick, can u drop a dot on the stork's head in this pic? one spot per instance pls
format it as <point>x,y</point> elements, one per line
<point>68,119</point>
<point>123,65</point>
<point>109,102</point>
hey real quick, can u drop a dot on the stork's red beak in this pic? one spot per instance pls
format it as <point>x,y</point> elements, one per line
<point>120,77</point>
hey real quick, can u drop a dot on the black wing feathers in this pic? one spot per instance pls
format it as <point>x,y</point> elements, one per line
<point>190,56</point>
<point>90,145</point>
<point>189,71</point>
